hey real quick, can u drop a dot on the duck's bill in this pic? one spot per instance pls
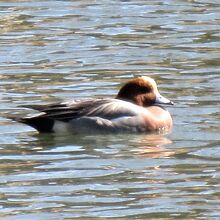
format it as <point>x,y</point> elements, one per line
<point>162,100</point>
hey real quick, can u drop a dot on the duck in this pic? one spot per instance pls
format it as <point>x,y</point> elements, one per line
<point>137,108</point>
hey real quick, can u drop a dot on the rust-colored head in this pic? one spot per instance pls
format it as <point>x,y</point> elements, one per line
<point>142,91</point>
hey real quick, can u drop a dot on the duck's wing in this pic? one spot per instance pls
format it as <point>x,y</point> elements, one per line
<point>67,111</point>
<point>91,115</point>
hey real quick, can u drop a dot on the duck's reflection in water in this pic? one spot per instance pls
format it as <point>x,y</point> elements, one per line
<point>152,146</point>
<point>145,145</point>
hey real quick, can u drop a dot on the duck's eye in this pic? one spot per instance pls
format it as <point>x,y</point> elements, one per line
<point>145,89</point>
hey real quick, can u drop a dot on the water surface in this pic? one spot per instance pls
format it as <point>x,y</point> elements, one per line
<point>61,50</point>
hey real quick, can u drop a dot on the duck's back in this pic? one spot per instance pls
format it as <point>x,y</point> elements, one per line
<point>84,116</point>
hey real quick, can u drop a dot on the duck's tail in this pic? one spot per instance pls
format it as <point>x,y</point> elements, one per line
<point>40,123</point>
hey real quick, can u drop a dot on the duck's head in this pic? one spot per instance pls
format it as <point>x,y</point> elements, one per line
<point>142,91</point>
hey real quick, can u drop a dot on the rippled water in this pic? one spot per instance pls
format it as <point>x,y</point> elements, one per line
<point>52,50</point>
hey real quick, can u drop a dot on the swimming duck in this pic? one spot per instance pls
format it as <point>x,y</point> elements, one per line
<point>136,109</point>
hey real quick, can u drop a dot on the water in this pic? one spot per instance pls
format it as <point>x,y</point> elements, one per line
<point>61,50</point>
